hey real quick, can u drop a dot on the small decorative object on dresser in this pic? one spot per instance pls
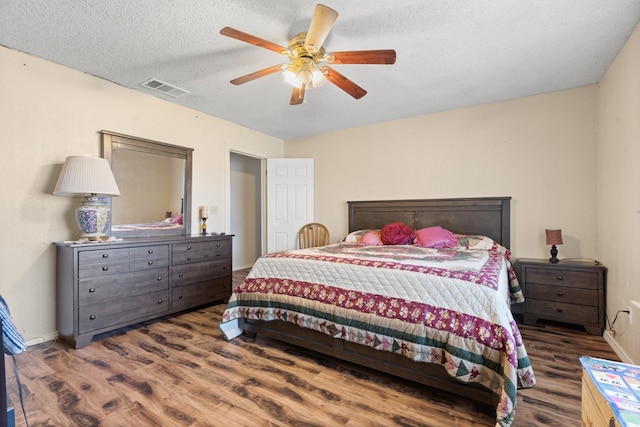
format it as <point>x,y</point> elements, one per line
<point>102,287</point>
<point>568,291</point>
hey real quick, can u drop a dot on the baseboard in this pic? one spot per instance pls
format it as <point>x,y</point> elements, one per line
<point>611,340</point>
<point>40,340</point>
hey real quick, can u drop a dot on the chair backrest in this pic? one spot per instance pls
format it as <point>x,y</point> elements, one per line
<point>312,235</point>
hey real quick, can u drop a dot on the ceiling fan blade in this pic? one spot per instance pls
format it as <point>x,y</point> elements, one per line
<point>297,95</point>
<point>345,84</point>
<point>257,74</point>
<point>385,56</point>
<point>257,41</point>
<point>321,23</point>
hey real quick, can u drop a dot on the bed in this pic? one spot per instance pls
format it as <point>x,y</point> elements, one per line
<point>370,305</point>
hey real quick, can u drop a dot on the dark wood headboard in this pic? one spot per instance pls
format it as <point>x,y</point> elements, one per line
<point>488,216</point>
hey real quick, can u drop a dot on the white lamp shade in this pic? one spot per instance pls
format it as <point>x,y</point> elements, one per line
<point>85,175</point>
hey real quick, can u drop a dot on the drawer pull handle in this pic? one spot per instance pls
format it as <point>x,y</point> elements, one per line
<point>105,255</point>
<point>92,290</point>
<point>150,262</point>
<point>150,251</point>
<point>92,317</point>
<point>180,275</point>
<point>218,254</point>
<point>188,248</point>
<point>188,258</point>
<point>224,268</point>
<point>218,244</point>
<point>105,268</point>
<point>559,277</point>
<point>159,278</point>
<point>560,293</point>
<point>159,301</point>
<point>559,310</point>
<point>180,297</point>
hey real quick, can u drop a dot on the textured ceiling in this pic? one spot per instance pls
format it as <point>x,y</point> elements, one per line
<point>450,54</point>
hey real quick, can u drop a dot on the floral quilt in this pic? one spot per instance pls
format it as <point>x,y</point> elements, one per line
<point>446,306</point>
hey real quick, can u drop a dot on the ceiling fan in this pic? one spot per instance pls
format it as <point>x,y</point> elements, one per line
<point>308,64</point>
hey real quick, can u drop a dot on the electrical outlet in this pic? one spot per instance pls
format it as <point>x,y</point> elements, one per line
<point>213,210</point>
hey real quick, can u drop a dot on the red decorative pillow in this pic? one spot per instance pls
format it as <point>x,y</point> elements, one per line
<point>396,233</point>
<point>435,237</point>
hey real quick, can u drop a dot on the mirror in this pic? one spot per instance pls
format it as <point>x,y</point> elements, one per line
<point>155,186</point>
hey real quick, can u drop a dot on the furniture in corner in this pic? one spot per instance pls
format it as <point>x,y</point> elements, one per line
<point>102,287</point>
<point>568,292</point>
<point>609,393</point>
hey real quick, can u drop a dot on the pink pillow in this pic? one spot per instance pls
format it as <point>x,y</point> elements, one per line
<point>371,238</point>
<point>177,220</point>
<point>396,233</point>
<point>435,237</point>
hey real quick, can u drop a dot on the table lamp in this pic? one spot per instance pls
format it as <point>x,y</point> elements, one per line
<point>90,177</point>
<point>554,237</point>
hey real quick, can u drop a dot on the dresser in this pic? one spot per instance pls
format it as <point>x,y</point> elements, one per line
<point>102,287</point>
<point>568,292</point>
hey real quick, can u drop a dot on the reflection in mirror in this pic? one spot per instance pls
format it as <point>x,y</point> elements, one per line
<point>155,186</point>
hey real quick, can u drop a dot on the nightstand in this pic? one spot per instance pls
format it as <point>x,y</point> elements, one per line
<point>568,292</point>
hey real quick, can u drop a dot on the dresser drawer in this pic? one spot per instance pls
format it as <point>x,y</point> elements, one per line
<point>97,290</point>
<point>201,293</point>
<point>147,264</point>
<point>150,252</point>
<point>186,248</point>
<point>562,294</point>
<point>107,255</point>
<point>218,249</point>
<point>102,269</point>
<point>562,312</point>
<point>577,279</point>
<point>200,251</point>
<point>100,316</point>
<point>191,273</point>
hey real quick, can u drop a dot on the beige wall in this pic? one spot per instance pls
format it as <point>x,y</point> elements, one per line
<point>618,202</point>
<point>49,112</point>
<point>540,150</point>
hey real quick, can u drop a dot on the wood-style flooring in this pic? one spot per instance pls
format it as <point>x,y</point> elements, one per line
<point>181,372</point>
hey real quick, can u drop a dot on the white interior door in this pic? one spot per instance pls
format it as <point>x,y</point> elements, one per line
<point>289,201</point>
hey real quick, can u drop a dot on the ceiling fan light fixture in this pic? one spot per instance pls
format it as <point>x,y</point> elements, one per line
<point>291,76</point>
<point>318,77</point>
<point>304,71</point>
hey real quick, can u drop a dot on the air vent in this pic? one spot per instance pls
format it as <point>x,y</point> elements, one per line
<point>162,87</point>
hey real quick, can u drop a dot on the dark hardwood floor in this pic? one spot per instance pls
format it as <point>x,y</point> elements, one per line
<point>181,372</point>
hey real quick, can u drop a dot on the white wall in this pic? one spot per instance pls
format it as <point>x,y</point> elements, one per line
<point>618,202</point>
<point>48,112</point>
<point>540,150</point>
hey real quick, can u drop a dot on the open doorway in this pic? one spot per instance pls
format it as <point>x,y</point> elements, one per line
<point>246,208</point>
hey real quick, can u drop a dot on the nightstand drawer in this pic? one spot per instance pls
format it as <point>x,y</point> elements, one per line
<point>562,312</point>
<point>576,279</point>
<point>562,294</point>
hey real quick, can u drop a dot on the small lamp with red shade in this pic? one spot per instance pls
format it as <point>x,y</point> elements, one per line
<point>554,237</point>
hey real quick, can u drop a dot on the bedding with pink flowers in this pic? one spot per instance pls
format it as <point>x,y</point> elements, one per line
<point>449,306</point>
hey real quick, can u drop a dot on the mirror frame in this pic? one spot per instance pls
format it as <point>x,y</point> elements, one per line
<point>117,141</point>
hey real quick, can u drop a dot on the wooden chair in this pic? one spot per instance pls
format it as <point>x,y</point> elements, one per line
<point>312,235</point>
